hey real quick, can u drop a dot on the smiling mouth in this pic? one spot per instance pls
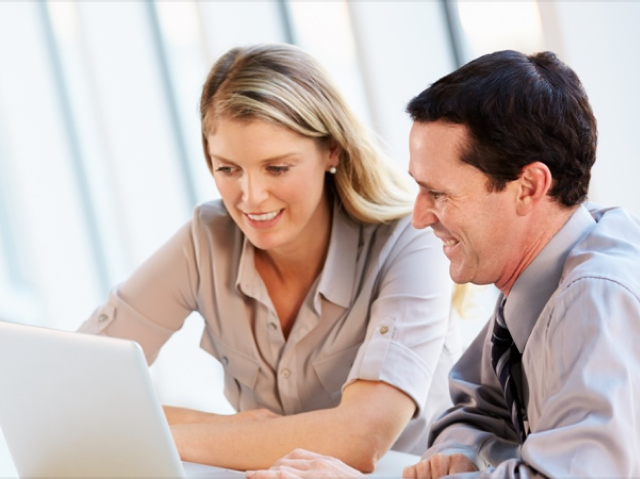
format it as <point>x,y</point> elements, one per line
<point>450,242</point>
<point>263,216</point>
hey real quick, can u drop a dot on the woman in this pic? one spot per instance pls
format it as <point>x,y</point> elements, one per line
<point>328,312</point>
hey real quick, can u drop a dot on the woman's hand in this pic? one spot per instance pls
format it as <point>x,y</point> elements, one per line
<point>302,463</point>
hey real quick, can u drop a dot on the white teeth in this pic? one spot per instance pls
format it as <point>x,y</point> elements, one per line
<point>265,216</point>
<point>450,242</point>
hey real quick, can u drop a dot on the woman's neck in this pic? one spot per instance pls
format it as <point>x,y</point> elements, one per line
<point>305,258</point>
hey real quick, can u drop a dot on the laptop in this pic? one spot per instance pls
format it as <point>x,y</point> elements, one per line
<point>79,405</point>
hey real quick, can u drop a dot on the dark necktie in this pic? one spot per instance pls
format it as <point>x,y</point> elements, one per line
<point>504,355</point>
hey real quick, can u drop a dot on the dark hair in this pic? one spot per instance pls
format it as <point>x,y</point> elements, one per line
<point>518,109</point>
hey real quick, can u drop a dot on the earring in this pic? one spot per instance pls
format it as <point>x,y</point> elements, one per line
<point>333,170</point>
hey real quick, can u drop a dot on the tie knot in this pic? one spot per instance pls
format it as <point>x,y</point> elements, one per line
<point>500,316</point>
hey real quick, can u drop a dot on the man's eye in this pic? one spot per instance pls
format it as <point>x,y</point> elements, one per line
<point>435,194</point>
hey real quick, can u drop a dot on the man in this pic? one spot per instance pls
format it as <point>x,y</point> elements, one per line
<point>502,151</point>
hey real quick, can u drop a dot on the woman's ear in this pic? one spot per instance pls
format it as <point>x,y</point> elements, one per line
<point>334,152</point>
<point>534,183</point>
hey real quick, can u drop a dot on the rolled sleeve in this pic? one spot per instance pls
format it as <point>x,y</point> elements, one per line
<point>118,319</point>
<point>409,321</point>
<point>154,301</point>
<point>391,361</point>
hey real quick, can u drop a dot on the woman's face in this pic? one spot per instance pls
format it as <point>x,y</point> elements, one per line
<point>272,182</point>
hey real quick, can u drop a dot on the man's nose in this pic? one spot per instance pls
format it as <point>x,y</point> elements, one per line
<point>423,213</point>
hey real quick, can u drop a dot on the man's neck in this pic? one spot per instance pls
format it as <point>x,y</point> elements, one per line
<point>543,225</point>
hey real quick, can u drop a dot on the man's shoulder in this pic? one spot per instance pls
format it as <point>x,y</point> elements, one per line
<point>610,251</point>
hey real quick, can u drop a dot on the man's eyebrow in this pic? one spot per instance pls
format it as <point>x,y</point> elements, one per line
<point>420,183</point>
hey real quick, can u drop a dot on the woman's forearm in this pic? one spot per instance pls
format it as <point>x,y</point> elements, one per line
<point>179,415</point>
<point>359,431</point>
<point>256,444</point>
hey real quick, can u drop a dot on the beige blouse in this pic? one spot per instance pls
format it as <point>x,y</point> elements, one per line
<point>379,311</point>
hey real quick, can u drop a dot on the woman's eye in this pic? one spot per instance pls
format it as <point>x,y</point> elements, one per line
<point>225,170</point>
<point>278,170</point>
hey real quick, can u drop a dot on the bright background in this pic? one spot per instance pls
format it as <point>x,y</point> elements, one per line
<point>100,156</point>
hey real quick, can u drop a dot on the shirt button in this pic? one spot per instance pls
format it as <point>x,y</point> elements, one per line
<point>272,326</point>
<point>102,318</point>
<point>286,373</point>
<point>224,360</point>
<point>384,329</point>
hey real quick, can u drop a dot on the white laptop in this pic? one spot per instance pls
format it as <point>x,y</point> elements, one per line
<point>78,405</point>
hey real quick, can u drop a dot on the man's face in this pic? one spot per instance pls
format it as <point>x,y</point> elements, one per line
<point>474,224</point>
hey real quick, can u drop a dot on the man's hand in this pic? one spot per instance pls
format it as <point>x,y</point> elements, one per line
<point>302,463</point>
<point>438,466</point>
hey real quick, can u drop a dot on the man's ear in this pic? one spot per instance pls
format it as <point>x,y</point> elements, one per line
<point>533,185</point>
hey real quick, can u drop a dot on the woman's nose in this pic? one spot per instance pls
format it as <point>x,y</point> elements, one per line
<point>254,190</point>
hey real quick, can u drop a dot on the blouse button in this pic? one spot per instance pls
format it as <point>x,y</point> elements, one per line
<point>225,360</point>
<point>384,329</point>
<point>272,326</point>
<point>285,373</point>
<point>102,318</point>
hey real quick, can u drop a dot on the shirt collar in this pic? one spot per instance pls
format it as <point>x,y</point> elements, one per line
<point>338,275</point>
<point>540,279</point>
<point>247,274</point>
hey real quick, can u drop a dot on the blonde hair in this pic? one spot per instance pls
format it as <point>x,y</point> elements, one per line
<point>284,85</point>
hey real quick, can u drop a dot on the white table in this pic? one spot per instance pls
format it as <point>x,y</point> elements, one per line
<point>389,466</point>
<point>7,468</point>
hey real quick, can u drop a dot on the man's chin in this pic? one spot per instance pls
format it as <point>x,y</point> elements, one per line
<point>458,275</point>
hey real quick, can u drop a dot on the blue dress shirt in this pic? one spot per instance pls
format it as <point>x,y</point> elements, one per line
<point>574,314</point>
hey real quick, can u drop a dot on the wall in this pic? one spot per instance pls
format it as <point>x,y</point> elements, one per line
<point>601,42</point>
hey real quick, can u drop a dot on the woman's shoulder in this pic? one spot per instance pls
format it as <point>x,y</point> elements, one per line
<point>212,220</point>
<point>398,228</point>
<point>212,214</point>
<point>211,211</point>
<point>393,235</point>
